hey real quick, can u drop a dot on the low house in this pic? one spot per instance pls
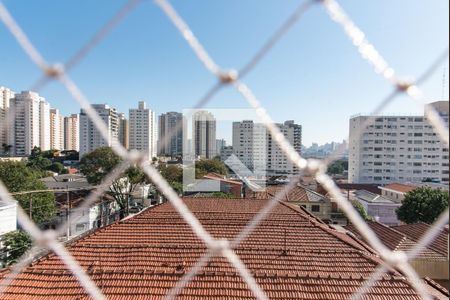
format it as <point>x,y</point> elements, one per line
<point>378,207</point>
<point>432,262</point>
<point>8,217</point>
<point>315,203</point>
<point>81,219</point>
<point>213,182</point>
<point>66,181</point>
<point>396,191</point>
<point>8,223</point>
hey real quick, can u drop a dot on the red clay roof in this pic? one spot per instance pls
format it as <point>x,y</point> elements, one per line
<point>401,188</point>
<point>415,232</point>
<point>291,255</point>
<point>396,240</point>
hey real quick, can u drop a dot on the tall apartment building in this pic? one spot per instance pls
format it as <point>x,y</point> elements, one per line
<point>143,132</point>
<point>250,145</point>
<point>168,124</point>
<point>56,130</point>
<point>123,131</point>
<point>256,149</point>
<point>30,114</point>
<point>44,128</point>
<point>204,135</point>
<point>5,121</point>
<point>397,149</point>
<point>220,145</point>
<point>90,137</point>
<point>72,132</point>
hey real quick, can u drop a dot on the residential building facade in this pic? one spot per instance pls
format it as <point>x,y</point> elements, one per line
<point>168,125</point>
<point>256,149</point>
<point>204,135</point>
<point>397,149</point>
<point>142,130</point>
<point>5,121</point>
<point>90,137</point>
<point>72,132</point>
<point>30,118</point>
<point>56,130</point>
<point>123,131</point>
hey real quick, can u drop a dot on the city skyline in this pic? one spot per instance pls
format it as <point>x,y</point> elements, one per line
<point>171,80</point>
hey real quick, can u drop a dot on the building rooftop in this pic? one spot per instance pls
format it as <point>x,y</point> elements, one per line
<point>291,255</point>
<point>371,197</point>
<point>415,232</point>
<point>297,194</point>
<point>395,239</point>
<point>399,188</point>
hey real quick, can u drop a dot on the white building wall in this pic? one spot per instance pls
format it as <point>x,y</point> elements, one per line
<point>5,119</point>
<point>56,130</point>
<point>254,146</point>
<point>72,133</point>
<point>25,111</point>
<point>8,217</point>
<point>44,125</point>
<point>397,149</point>
<point>90,137</point>
<point>142,130</point>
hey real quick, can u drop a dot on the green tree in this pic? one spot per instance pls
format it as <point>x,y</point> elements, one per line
<point>206,166</point>
<point>57,167</point>
<point>361,210</point>
<point>422,205</point>
<point>6,148</point>
<point>19,178</point>
<point>338,167</point>
<point>97,164</point>
<point>173,174</point>
<point>15,244</point>
<point>38,162</point>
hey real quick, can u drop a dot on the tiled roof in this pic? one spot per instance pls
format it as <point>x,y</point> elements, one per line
<point>297,194</point>
<point>398,187</point>
<point>396,240</point>
<point>291,255</point>
<point>415,232</point>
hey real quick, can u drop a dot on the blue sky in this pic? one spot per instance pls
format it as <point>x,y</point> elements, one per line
<point>313,76</point>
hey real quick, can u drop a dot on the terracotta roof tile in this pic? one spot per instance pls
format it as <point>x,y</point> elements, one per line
<point>415,232</point>
<point>144,256</point>
<point>396,240</point>
<point>401,188</point>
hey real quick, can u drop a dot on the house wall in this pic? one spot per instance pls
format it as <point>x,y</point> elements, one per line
<point>436,270</point>
<point>8,218</point>
<point>324,212</point>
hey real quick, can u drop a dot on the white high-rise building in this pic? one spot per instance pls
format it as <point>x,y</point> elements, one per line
<point>204,135</point>
<point>56,130</point>
<point>397,149</point>
<point>31,118</point>
<point>168,124</point>
<point>72,133</point>
<point>255,148</point>
<point>142,130</point>
<point>44,125</point>
<point>123,131</point>
<point>5,121</point>
<point>90,137</point>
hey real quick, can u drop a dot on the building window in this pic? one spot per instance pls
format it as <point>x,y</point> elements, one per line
<point>315,208</point>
